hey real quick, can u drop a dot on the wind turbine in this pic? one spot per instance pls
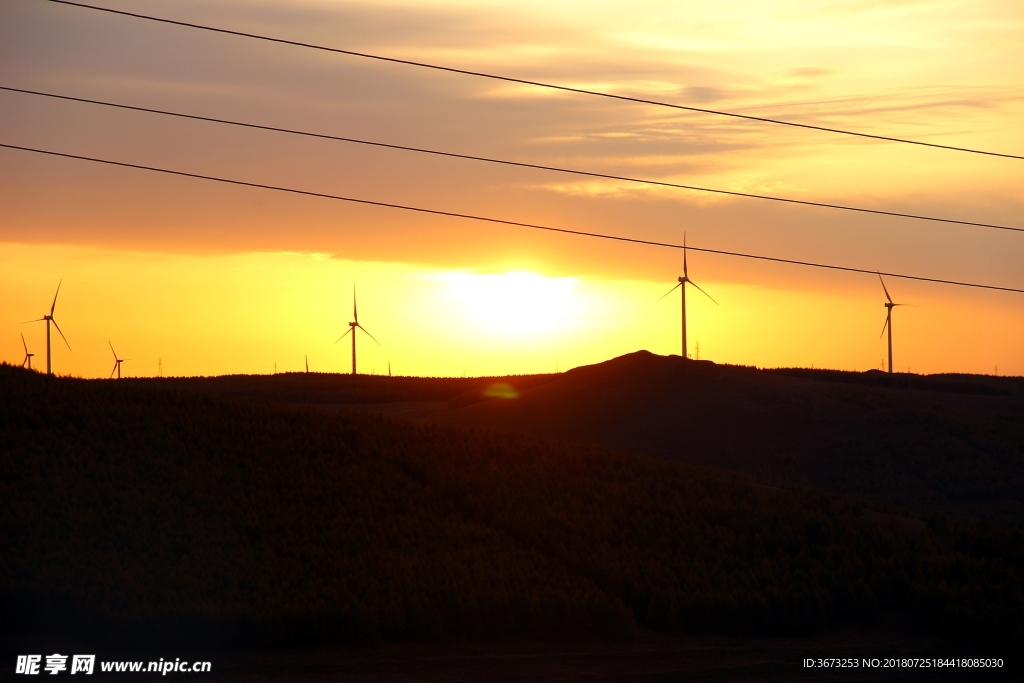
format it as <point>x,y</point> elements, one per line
<point>49,319</point>
<point>889,305</point>
<point>28,356</point>
<point>683,281</point>
<point>307,363</point>
<point>352,328</point>
<point>117,362</point>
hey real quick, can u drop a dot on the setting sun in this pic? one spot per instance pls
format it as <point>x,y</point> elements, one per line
<point>517,305</point>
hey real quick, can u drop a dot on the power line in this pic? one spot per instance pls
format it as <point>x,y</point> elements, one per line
<point>520,164</point>
<point>539,84</point>
<point>501,221</point>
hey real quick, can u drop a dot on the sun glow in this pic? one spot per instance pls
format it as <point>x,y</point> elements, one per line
<point>517,304</point>
<point>254,312</point>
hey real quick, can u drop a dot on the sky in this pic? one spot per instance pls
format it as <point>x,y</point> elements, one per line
<point>187,276</point>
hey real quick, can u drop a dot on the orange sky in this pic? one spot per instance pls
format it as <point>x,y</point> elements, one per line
<point>215,279</point>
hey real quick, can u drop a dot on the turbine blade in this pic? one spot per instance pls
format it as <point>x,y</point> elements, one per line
<point>684,256</point>
<point>883,287</point>
<point>54,305</point>
<point>368,334</point>
<point>702,291</point>
<point>113,371</point>
<point>884,325</point>
<point>669,292</point>
<point>355,311</point>
<point>24,344</point>
<point>342,336</point>
<point>61,334</point>
<point>37,320</point>
<point>112,349</point>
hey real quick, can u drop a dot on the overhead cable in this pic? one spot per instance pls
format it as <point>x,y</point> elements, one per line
<point>539,84</point>
<point>520,164</point>
<point>501,221</point>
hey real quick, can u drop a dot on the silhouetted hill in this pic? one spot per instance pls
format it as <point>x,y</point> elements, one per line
<point>132,510</point>
<point>331,389</point>
<point>954,383</point>
<point>906,441</point>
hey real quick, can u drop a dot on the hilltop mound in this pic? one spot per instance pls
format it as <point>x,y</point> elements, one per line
<point>928,450</point>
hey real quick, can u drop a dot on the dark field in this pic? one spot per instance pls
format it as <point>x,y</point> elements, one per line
<point>253,516</point>
<point>343,390</point>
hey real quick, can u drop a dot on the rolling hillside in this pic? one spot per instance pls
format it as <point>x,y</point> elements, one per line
<point>139,512</point>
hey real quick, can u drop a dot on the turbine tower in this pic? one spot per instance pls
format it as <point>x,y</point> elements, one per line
<point>352,328</point>
<point>683,281</point>
<point>49,319</point>
<point>889,305</point>
<point>28,356</point>
<point>117,362</point>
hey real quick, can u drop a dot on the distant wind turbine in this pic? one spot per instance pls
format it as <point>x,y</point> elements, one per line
<point>889,305</point>
<point>49,319</point>
<point>352,328</point>
<point>28,356</point>
<point>682,286</point>
<point>307,363</point>
<point>117,362</point>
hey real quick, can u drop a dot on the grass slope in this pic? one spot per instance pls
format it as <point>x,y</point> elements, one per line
<point>328,389</point>
<point>145,511</point>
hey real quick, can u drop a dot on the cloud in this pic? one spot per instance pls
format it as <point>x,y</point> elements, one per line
<point>921,79</point>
